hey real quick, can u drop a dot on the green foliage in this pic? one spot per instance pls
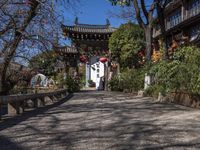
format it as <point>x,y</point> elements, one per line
<point>153,90</point>
<point>59,78</point>
<point>125,44</point>
<point>115,84</point>
<point>91,83</point>
<point>73,85</point>
<point>130,79</point>
<point>82,76</point>
<point>45,63</point>
<point>180,74</point>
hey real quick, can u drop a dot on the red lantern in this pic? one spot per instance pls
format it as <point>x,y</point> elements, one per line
<point>103,59</point>
<point>83,59</point>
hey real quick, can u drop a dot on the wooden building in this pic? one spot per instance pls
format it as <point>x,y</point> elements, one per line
<point>182,23</point>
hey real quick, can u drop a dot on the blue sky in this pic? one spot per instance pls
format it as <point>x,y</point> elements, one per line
<point>93,12</point>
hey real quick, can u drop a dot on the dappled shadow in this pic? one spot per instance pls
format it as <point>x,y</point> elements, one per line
<point>28,114</point>
<point>108,121</point>
<point>7,144</point>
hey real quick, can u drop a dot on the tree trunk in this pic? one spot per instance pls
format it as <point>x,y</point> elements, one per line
<point>164,36</point>
<point>3,89</point>
<point>148,37</point>
<point>166,54</point>
<point>4,86</point>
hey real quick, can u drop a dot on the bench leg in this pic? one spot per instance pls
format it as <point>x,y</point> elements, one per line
<point>15,108</point>
<point>39,102</point>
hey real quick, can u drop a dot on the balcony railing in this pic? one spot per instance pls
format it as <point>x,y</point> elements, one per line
<point>190,13</point>
<point>193,11</point>
<point>173,22</point>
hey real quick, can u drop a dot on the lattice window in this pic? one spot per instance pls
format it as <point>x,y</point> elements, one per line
<point>174,19</point>
<point>194,8</point>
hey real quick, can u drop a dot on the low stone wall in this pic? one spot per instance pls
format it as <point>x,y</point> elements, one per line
<point>182,98</point>
<point>16,104</point>
<point>186,99</point>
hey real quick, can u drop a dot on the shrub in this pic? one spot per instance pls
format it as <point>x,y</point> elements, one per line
<point>73,85</point>
<point>91,83</point>
<point>154,90</point>
<point>115,84</point>
<point>59,78</point>
<point>180,74</point>
<point>130,79</point>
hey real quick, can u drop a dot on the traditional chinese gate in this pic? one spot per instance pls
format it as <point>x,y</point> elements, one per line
<point>91,42</point>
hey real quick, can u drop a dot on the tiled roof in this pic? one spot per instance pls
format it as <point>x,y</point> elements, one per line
<point>67,50</point>
<point>85,28</point>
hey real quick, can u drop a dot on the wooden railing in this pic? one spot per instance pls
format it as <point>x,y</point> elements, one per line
<point>16,104</point>
<point>185,14</point>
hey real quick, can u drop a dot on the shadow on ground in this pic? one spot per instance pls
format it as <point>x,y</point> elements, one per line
<point>105,121</point>
<point>28,114</point>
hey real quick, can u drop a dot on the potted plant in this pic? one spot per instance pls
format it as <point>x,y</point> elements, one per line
<point>91,83</point>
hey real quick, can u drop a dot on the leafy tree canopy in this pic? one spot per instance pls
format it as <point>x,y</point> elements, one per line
<point>125,44</point>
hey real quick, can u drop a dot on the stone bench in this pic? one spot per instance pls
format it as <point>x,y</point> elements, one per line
<point>16,104</point>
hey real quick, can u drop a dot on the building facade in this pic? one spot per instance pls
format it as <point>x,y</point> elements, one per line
<point>182,23</point>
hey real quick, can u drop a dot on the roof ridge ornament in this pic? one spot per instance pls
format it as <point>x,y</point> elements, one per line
<point>107,22</point>
<point>76,21</point>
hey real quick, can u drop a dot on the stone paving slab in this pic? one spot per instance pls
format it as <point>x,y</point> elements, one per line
<point>104,121</point>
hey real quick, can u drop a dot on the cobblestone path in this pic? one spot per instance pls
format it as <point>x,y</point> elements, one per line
<point>103,121</point>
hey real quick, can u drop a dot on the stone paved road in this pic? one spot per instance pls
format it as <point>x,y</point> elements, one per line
<point>103,121</point>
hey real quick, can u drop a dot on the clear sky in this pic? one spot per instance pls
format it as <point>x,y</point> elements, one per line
<point>93,12</point>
